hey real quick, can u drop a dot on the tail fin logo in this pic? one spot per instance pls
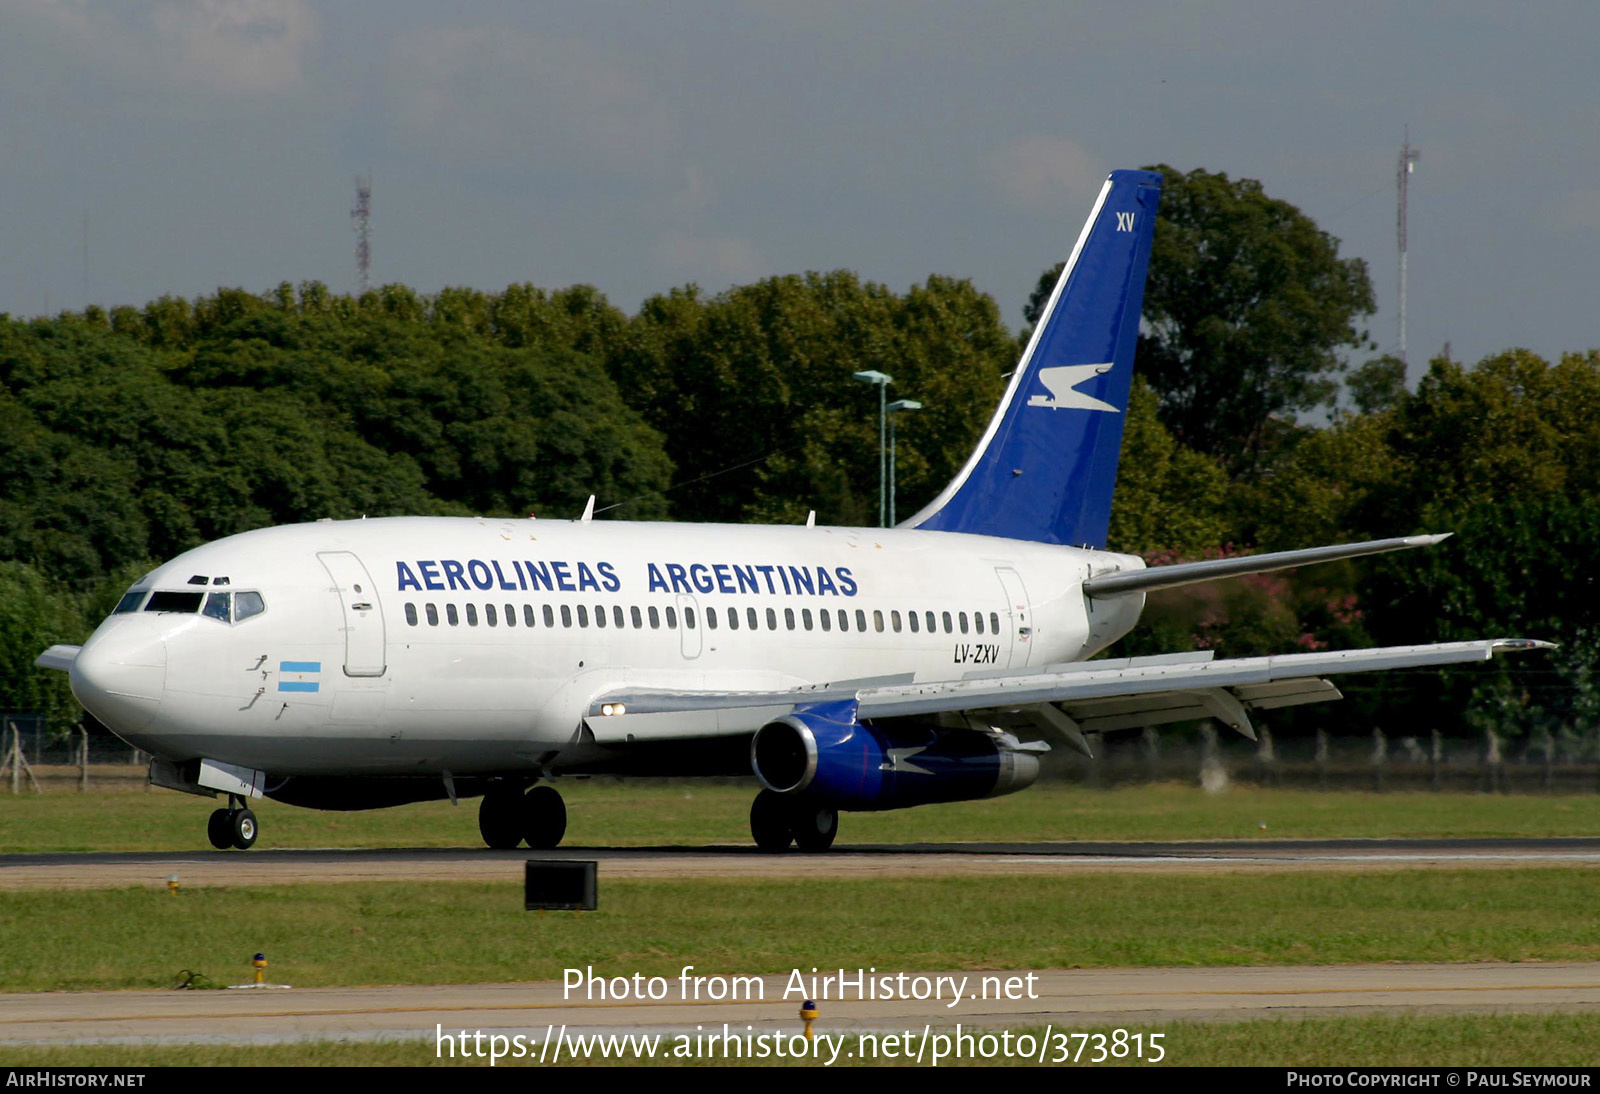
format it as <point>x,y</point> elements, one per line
<point>1062,383</point>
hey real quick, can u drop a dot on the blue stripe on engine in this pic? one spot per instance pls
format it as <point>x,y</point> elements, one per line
<point>300,666</point>
<point>297,685</point>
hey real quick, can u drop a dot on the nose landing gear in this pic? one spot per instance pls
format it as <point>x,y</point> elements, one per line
<point>234,826</point>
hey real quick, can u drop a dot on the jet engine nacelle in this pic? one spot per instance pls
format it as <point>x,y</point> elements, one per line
<point>824,752</point>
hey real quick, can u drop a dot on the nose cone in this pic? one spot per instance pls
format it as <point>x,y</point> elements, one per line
<point>120,675</point>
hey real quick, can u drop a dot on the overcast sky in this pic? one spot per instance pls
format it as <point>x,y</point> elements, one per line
<point>635,147</point>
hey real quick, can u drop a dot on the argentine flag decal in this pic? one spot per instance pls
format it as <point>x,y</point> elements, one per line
<point>299,675</point>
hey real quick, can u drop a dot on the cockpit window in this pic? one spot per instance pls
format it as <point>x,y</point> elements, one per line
<point>174,602</point>
<point>227,607</point>
<point>130,601</point>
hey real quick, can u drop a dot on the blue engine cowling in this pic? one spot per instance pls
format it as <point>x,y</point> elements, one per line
<point>824,752</point>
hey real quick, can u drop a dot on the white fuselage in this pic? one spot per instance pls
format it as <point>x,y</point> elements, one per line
<point>404,645</point>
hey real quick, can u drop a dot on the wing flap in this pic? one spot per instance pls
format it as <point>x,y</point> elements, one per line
<point>1288,693</point>
<point>1137,711</point>
<point>1154,710</point>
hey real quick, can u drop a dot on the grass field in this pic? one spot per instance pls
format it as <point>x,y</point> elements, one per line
<point>605,812</point>
<point>380,933</point>
<point>412,933</point>
<point>1462,1040</point>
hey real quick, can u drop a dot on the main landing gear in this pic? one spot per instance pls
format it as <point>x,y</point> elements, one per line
<point>234,826</point>
<point>777,820</point>
<point>507,817</point>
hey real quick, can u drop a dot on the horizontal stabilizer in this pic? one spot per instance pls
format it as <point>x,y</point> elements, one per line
<point>1189,573</point>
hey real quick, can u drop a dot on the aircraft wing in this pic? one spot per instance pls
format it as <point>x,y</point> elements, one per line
<point>1068,699</point>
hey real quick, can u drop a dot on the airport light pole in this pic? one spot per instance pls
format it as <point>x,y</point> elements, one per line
<point>898,404</point>
<point>873,376</point>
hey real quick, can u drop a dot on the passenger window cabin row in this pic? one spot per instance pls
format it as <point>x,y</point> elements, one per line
<point>582,615</point>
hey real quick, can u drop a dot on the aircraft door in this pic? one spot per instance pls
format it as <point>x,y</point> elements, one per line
<point>1020,625</point>
<point>363,614</point>
<point>689,624</point>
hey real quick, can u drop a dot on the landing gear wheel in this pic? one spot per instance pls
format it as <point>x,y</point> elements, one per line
<point>500,818</point>
<point>814,826</point>
<point>544,818</point>
<point>242,825</point>
<point>769,822</point>
<point>219,830</point>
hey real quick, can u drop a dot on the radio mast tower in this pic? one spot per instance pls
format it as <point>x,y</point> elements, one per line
<point>1408,161</point>
<point>362,214</point>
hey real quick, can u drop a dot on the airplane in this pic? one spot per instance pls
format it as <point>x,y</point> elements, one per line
<point>361,664</point>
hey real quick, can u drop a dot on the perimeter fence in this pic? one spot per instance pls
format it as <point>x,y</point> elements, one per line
<point>40,746</point>
<point>1564,763</point>
<point>1561,763</point>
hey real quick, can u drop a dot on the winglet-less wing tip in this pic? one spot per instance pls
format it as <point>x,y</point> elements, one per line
<point>1518,645</point>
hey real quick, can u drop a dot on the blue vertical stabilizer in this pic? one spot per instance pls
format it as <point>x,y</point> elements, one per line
<point>1047,465</point>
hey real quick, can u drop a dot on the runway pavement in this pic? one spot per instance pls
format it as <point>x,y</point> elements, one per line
<point>1093,1000</point>
<point>1077,1000</point>
<point>268,867</point>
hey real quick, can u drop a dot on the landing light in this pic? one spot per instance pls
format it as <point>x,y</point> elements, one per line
<point>608,709</point>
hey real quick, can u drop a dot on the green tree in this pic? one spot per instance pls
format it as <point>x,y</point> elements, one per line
<point>1168,498</point>
<point>575,318</point>
<point>33,617</point>
<point>141,434</point>
<point>1380,384</point>
<point>375,412</point>
<point>1247,306</point>
<point>1513,426</point>
<point>752,390</point>
<point>1321,487</point>
<point>1519,565</point>
<point>1504,455</point>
